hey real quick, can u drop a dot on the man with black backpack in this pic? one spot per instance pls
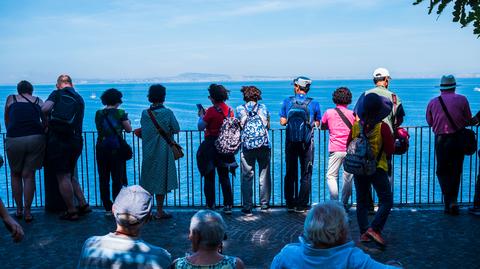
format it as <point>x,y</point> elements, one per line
<point>300,114</point>
<point>65,109</point>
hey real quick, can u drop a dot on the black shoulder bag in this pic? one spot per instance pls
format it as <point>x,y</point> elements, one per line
<point>466,136</point>
<point>344,118</point>
<point>124,151</point>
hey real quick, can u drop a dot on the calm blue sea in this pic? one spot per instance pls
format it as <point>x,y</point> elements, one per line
<point>182,97</point>
<point>414,173</point>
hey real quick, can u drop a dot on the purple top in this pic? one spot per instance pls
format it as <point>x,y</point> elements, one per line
<point>457,106</point>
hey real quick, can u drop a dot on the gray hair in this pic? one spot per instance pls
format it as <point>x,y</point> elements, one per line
<point>210,226</point>
<point>326,224</point>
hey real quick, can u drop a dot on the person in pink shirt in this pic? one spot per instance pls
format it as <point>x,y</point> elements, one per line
<point>338,121</point>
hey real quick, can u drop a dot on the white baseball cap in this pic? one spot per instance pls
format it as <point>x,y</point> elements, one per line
<point>381,73</point>
<point>302,81</point>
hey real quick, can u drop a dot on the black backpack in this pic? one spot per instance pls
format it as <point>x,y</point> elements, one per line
<point>299,128</point>
<point>64,112</point>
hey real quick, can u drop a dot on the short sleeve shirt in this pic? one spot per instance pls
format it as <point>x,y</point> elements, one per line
<point>113,251</point>
<point>116,117</point>
<point>313,107</point>
<point>78,122</point>
<point>397,110</point>
<point>214,118</point>
<point>337,129</point>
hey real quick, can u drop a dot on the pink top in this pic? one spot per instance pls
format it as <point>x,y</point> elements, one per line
<point>338,130</point>
<point>458,108</point>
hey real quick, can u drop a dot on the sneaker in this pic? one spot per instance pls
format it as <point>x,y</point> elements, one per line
<point>300,209</point>
<point>364,238</point>
<point>346,207</point>
<point>247,211</point>
<point>264,207</point>
<point>227,210</point>
<point>83,210</point>
<point>290,208</point>
<point>108,214</point>
<point>376,236</point>
<point>474,210</point>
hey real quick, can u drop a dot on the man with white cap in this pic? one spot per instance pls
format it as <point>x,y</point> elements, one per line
<point>381,78</point>
<point>300,114</point>
<point>447,114</point>
<point>123,248</point>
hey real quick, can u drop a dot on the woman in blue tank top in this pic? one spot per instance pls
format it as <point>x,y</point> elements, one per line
<point>25,145</point>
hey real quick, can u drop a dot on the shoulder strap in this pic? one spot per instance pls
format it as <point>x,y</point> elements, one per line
<point>344,118</point>
<point>159,128</point>
<point>105,114</point>
<point>14,98</point>
<point>444,107</point>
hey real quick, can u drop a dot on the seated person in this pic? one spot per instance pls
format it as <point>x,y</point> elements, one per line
<point>123,248</point>
<point>12,226</point>
<point>207,232</point>
<point>324,243</point>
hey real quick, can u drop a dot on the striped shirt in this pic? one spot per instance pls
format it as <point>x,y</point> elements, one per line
<point>114,251</point>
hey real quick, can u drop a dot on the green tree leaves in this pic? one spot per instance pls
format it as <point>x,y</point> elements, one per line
<point>464,12</point>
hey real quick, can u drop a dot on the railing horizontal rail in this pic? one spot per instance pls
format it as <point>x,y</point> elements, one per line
<point>414,180</point>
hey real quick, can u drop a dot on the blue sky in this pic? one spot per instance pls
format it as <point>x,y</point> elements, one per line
<point>142,39</point>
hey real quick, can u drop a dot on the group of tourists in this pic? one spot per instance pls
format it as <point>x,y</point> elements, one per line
<point>324,242</point>
<point>363,140</point>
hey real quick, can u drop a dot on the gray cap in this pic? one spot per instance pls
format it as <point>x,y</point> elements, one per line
<point>132,205</point>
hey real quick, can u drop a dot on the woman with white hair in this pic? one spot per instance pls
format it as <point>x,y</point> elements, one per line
<point>325,243</point>
<point>207,232</point>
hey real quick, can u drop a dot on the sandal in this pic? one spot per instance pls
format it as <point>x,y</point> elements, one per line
<point>164,215</point>
<point>83,210</point>
<point>28,218</point>
<point>72,216</point>
<point>19,215</point>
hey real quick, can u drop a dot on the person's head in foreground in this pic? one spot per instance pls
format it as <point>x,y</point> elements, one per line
<point>64,81</point>
<point>324,243</point>
<point>123,248</point>
<point>207,232</point>
<point>217,93</point>
<point>302,85</point>
<point>342,96</point>
<point>448,83</point>
<point>381,77</point>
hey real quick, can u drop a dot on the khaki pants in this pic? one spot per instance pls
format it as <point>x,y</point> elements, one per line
<point>335,160</point>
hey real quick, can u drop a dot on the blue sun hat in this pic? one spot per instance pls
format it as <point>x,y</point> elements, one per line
<point>448,82</point>
<point>374,107</point>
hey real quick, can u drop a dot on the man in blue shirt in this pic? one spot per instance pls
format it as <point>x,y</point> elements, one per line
<point>300,114</point>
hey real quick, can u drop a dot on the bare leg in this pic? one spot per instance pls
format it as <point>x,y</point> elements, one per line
<point>78,192</point>
<point>159,199</point>
<point>29,190</point>
<point>66,189</point>
<point>17,189</point>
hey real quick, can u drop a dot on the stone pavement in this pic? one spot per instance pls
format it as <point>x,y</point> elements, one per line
<point>419,238</point>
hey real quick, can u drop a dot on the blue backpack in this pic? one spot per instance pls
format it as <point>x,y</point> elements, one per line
<point>298,121</point>
<point>254,133</point>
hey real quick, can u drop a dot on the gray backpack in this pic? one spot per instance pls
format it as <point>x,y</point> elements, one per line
<point>360,159</point>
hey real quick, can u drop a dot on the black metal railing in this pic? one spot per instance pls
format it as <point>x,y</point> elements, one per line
<point>414,180</point>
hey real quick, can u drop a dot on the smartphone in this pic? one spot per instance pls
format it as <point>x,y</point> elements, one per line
<point>200,108</point>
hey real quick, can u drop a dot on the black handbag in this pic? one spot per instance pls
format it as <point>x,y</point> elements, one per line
<point>467,137</point>
<point>125,151</point>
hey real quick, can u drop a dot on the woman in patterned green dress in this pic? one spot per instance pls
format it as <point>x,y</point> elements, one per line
<point>159,175</point>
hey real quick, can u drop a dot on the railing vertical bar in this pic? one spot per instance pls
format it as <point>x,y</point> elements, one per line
<point>272,169</point>
<point>281,168</point>
<point>421,171</point>
<point>95,160</point>
<point>415,169</point>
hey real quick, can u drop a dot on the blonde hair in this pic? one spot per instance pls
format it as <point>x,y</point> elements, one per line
<point>326,224</point>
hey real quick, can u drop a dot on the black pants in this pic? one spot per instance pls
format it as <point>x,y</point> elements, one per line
<point>295,151</point>
<point>108,165</point>
<point>449,166</point>
<point>209,186</point>
<point>381,184</point>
